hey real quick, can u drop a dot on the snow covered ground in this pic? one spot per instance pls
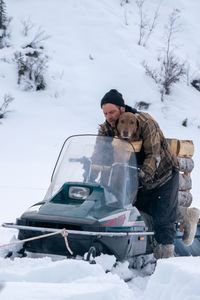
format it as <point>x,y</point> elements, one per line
<point>174,278</point>
<point>91,50</point>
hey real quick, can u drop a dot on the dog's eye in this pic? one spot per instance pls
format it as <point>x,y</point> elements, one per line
<point>122,121</point>
<point>131,122</point>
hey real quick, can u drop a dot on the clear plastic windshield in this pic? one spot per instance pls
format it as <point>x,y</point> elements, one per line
<point>98,160</point>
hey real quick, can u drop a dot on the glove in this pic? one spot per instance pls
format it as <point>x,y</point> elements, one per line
<point>141,176</point>
<point>145,182</point>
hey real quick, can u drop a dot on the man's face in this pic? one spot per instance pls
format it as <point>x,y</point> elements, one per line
<point>112,113</point>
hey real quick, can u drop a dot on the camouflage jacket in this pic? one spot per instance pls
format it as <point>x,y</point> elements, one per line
<point>155,158</point>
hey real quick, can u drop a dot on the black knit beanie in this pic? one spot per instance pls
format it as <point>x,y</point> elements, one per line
<point>113,97</point>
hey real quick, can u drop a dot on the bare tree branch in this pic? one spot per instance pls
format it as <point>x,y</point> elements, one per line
<point>152,26</point>
<point>39,37</point>
<point>27,26</point>
<point>146,25</point>
<point>170,69</point>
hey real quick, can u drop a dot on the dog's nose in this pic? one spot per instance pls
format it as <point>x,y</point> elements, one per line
<point>125,133</point>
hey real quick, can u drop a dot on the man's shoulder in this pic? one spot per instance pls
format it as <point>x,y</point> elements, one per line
<point>103,126</point>
<point>104,129</point>
<point>144,117</point>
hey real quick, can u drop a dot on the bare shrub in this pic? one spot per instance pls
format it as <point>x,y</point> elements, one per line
<point>32,63</point>
<point>4,26</point>
<point>196,84</point>
<point>169,72</point>
<point>170,69</point>
<point>40,37</point>
<point>124,4</point>
<point>146,25</point>
<point>142,105</point>
<point>7,99</point>
<point>27,26</point>
<point>185,122</point>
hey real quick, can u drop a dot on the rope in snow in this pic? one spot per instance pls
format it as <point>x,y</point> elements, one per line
<point>63,232</point>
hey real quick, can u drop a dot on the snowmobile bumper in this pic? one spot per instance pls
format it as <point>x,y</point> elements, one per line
<point>113,243</point>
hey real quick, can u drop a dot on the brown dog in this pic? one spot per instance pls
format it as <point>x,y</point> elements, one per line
<point>127,126</point>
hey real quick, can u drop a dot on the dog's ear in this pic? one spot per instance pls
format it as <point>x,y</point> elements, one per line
<point>136,133</point>
<point>116,125</point>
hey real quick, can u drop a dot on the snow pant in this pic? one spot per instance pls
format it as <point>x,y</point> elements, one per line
<point>161,203</point>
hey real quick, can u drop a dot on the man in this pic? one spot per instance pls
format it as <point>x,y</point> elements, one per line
<point>158,175</point>
<point>113,106</point>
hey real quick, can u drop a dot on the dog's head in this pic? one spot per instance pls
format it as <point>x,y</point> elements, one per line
<point>127,125</point>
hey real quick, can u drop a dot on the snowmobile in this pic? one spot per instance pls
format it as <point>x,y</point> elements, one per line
<point>91,195</point>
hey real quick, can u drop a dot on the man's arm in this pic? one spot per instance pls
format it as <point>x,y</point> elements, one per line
<point>152,150</point>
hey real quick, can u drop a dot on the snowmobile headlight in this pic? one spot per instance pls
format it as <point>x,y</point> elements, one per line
<point>79,192</point>
<point>34,208</point>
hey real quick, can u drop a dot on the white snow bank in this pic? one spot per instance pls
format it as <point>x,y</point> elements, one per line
<point>28,278</point>
<point>90,289</point>
<point>66,279</point>
<point>175,279</point>
<point>44,270</point>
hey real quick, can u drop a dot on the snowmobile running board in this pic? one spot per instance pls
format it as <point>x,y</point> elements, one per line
<point>43,229</point>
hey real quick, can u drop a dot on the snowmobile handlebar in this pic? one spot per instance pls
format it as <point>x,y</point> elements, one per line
<point>88,163</point>
<point>82,160</point>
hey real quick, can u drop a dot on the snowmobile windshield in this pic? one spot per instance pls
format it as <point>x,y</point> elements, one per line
<point>91,160</point>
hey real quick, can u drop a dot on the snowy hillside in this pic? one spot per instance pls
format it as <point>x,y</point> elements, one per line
<point>92,46</point>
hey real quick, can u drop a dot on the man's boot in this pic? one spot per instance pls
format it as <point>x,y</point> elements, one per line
<point>188,217</point>
<point>164,251</point>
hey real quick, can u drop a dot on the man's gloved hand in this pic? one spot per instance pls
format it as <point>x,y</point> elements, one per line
<point>145,181</point>
<point>141,176</point>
